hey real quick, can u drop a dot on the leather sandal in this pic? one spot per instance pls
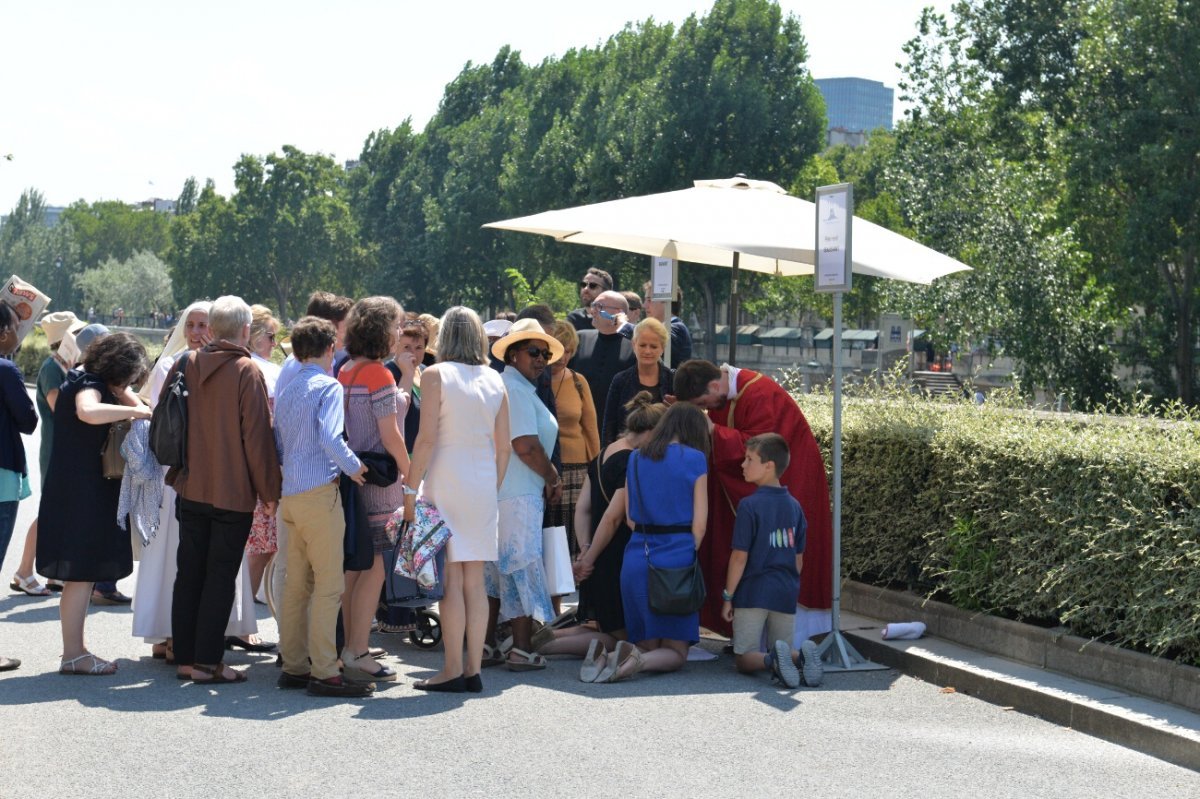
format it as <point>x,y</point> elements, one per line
<point>526,661</point>
<point>216,674</point>
<point>29,586</point>
<point>96,667</point>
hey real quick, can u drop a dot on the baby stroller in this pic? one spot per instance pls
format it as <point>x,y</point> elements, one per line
<point>403,602</point>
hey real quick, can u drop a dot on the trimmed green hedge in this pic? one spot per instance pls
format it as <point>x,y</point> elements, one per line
<point>1088,521</point>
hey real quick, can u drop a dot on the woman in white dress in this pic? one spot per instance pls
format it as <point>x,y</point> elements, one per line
<point>155,580</point>
<point>264,538</point>
<point>462,452</point>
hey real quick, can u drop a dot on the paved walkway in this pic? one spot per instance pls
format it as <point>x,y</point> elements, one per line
<point>704,731</point>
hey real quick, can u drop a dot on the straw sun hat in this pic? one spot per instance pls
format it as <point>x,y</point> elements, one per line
<point>528,330</point>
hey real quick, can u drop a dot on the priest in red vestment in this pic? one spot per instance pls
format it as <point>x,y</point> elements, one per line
<point>741,405</point>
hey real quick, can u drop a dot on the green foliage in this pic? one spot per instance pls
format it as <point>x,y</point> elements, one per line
<point>46,257</point>
<point>1085,520</point>
<point>110,229</point>
<point>651,109</point>
<point>32,354</point>
<point>287,230</point>
<point>1092,106</point>
<point>139,284</point>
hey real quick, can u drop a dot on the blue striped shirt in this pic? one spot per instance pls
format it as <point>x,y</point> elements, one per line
<point>309,419</point>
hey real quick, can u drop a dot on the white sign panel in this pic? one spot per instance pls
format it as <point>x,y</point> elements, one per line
<point>662,279</point>
<point>835,210</point>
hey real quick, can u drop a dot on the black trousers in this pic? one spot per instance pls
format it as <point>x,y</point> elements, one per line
<point>212,542</point>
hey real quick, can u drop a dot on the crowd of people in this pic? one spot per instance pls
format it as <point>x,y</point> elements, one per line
<point>380,422</point>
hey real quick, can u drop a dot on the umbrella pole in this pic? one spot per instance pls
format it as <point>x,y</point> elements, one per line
<point>835,651</point>
<point>733,310</point>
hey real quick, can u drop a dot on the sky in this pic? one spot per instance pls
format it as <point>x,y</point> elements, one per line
<point>126,100</point>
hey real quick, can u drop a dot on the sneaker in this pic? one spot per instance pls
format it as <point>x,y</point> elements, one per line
<point>782,666</point>
<point>811,667</point>
<point>339,687</point>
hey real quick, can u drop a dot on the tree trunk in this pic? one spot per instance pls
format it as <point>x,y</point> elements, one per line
<point>1185,295</point>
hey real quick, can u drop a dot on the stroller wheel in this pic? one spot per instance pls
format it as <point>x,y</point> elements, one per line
<point>429,630</point>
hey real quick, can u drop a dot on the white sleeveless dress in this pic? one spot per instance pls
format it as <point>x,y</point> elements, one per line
<point>461,478</point>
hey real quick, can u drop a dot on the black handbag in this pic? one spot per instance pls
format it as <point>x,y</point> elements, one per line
<point>112,462</point>
<point>677,591</point>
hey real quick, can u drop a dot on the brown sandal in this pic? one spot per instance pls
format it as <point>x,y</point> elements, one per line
<point>216,675</point>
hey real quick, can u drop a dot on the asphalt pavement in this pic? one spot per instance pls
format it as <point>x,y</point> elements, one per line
<point>700,732</point>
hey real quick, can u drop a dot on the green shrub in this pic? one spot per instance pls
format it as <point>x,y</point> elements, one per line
<point>1088,521</point>
<point>33,353</point>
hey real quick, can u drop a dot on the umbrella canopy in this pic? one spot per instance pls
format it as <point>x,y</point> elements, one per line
<point>771,231</point>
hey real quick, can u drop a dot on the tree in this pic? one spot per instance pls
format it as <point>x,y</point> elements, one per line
<point>287,230</point>
<point>187,197</point>
<point>44,256</point>
<point>1116,81</point>
<point>141,284</point>
<point>110,229</point>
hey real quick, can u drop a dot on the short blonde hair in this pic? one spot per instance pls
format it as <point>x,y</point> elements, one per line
<point>566,335</point>
<point>651,325</point>
<point>460,337</point>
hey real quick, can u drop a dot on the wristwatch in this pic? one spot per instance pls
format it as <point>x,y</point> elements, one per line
<point>728,597</point>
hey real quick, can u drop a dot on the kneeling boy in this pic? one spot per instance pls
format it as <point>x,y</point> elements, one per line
<point>763,579</point>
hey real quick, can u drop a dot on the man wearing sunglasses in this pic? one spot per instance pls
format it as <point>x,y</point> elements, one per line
<point>590,286</point>
<point>603,351</point>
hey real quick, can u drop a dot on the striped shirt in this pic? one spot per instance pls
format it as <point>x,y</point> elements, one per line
<point>309,419</point>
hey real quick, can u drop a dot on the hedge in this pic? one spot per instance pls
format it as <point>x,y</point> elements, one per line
<point>1091,522</point>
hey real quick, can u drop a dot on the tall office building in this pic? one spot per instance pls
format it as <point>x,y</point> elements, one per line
<point>855,107</point>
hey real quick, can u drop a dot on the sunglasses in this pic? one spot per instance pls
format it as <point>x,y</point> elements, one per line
<point>537,352</point>
<point>583,284</point>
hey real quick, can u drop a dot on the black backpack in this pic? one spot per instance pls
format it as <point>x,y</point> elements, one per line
<point>168,423</point>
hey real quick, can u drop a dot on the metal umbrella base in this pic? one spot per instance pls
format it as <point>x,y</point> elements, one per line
<point>837,654</point>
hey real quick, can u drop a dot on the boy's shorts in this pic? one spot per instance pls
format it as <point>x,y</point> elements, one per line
<point>748,624</point>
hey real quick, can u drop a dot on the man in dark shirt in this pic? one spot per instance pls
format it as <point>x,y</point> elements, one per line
<point>590,286</point>
<point>681,337</point>
<point>603,351</point>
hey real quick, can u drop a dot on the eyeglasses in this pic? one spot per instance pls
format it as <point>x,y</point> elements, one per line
<point>599,306</point>
<point>584,284</point>
<point>536,352</point>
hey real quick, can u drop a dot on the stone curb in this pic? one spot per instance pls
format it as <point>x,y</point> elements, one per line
<point>1091,717</point>
<point>1054,649</point>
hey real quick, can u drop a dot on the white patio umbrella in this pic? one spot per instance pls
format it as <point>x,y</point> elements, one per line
<point>772,231</point>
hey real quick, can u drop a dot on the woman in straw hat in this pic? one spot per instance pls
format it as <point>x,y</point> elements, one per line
<point>516,582</point>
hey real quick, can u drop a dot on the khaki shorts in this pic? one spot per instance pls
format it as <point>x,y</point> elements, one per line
<point>748,625</point>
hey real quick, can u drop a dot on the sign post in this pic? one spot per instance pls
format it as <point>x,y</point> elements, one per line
<point>664,287</point>
<point>833,275</point>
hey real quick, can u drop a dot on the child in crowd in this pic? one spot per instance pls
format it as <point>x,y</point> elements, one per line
<point>763,579</point>
<point>309,419</point>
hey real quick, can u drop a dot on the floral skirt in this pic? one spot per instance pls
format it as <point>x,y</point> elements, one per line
<point>263,538</point>
<point>518,578</point>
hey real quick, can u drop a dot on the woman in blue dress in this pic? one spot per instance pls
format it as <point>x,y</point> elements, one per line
<point>666,501</point>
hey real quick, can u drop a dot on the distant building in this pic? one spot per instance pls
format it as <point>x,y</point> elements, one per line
<point>855,107</point>
<point>49,217</point>
<point>157,205</point>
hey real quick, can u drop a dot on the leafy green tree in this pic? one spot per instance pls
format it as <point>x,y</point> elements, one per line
<point>1115,81</point>
<point>44,256</point>
<point>287,230</point>
<point>140,284</point>
<point>110,229</point>
<point>187,197</point>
